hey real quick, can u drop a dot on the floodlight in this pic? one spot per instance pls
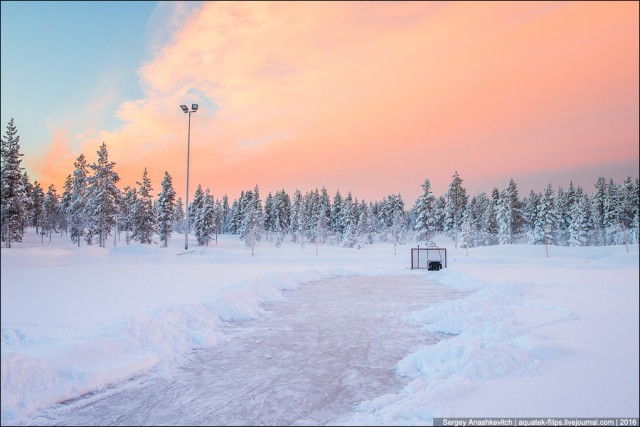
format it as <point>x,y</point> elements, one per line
<point>194,107</point>
<point>184,108</point>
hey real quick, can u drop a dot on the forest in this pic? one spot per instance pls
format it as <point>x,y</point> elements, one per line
<point>93,210</point>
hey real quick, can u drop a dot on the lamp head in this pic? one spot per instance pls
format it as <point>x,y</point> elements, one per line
<point>194,107</point>
<point>184,108</point>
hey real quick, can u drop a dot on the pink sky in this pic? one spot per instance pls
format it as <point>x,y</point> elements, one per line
<point>376,97</point>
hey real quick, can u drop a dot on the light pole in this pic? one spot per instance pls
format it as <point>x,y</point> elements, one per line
<point>185,109</point>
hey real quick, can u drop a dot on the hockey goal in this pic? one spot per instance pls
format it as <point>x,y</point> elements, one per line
<point>430,257</point>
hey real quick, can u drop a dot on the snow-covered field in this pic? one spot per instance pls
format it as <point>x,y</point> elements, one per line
<point>537,336</point>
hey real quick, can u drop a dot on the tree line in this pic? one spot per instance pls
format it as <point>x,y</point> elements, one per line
<point>92,209</point>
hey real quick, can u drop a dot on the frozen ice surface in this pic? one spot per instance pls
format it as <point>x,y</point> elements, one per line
<point>330,345</point>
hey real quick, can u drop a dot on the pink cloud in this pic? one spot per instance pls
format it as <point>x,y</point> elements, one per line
<point>374,97</point>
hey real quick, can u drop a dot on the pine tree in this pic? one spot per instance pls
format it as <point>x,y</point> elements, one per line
<point>65,203</point>
<point>51,214</point>
<point>456,203</point>
<point>516,210</point>
<point>195,206</point>
<point>504,219</point>
<point>144,218</point>
<point>282,213</point>
<point>203,226</point>
<point>613,214</point>
<point>545,224</point>
<point>599,206</point>
<point>251,231</point>
<point>13,211</point>
<point>77,215</point>
<point>102,198</point>
<point>323,215</point>
<point>579,224</point>
<point>296,206</point>
<point>349,222</point>
<point>37,206</point>
<point>165,210</point>
<point>28,201</point>
<point>178,216</point>
<point>129,201</point>
<point>269,221</point>
<point>425,219</point>
<point>336,214</point>
<point>226,214</point>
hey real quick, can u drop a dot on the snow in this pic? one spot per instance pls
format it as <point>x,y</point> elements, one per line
<point>534,336</point>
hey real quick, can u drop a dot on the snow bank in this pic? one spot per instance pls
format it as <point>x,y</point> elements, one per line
<point>533,336</point>
<point>501,345</point>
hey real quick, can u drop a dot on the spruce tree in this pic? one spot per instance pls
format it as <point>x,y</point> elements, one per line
<point>37,206</point>
<point>579,224</point>
<point>144,218</point>
<point>51,215</point>
<point>165,210</point>
<point>456,203</point>
<point>102,198</point>
<point>13,211</point>
<point>425,219</point>
<point>77,214</point>
<point>178,216</point>
<point>65,203</point>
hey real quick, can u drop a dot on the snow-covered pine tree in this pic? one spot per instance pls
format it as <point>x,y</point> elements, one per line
<point>516,207</point>
<point>599,206</point>
<point>234,217</point>
<point>28,201</point>
<point>612,214</point>
<point>531,214</point>
<point>350,222</point>
<point>482,210</point>
<point>144,218</point>
<point>296,206</point>
<point>504,218</point>
<point>126,217</point>
<point>490,224</point>
<point>336,215</point>
<point>456,203</point>
<point>630,211</point>
<point>579,221</point>
<point>282,212</point>
<point>13,211</point>
<point>269,222</point>
<point>65,203</point>
<point>251,231</point>
<point>346,213</point>
<point>165,210</point>
<point>425,216</point>
<point>102,197</point>
<point>204,226</point>
<point>178,216</point>
<point>226,215</point>
<point>195,206</point>
<point>546,218</point>
<point>37,206</point>
<point>324,215</point>
<point>77,213</point>
<point>50,217</point>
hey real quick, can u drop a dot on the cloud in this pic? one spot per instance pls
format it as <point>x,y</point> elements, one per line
<point>374,97</point>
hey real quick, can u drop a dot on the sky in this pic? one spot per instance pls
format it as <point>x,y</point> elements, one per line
<point>367,97</point>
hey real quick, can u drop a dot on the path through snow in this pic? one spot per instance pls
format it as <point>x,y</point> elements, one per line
<point>330,345</point>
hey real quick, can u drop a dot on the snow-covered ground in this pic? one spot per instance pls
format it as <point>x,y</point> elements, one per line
<point>536,336</point>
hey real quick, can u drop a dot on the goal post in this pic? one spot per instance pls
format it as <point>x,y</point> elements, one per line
<point>431,258</point>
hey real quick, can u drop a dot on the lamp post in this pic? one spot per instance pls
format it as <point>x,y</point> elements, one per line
<point>185,109</point>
